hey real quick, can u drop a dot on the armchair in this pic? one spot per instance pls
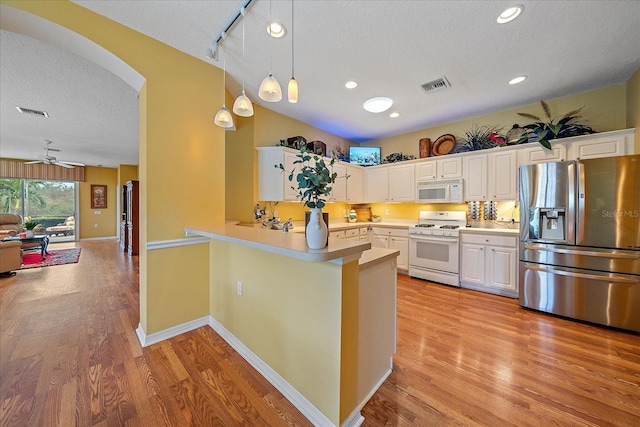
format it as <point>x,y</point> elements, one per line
<point>10,225</point>
<point>10,256</point>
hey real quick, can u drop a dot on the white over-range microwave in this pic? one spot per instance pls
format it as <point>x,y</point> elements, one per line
<point>443,191</point>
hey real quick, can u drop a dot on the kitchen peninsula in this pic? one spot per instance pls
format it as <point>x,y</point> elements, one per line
<point>318,324</point>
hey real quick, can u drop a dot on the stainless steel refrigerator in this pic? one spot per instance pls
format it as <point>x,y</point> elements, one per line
<point>580,239</point>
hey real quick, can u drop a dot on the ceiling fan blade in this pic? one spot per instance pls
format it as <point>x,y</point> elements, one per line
<point>33,162</point>
<point>64,165</point>
<point>71,163</point>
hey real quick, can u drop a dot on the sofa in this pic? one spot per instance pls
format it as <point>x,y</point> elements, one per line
<point>10,256</point>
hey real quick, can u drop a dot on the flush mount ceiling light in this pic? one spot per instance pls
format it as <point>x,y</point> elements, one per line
<point>276,30</point>
<point>510,14</point>
<point>394,115</point>
<point>242,106</point>
<point>377,105</point>
<point>351,84</point>
<point>517,80</point>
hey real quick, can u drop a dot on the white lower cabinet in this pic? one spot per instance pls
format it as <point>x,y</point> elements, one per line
<point>393,238</point>
<point>489,263</point>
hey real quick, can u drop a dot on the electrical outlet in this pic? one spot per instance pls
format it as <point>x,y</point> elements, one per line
<point>388,211</point>
<point>95,225</point>
<point>240,290</point>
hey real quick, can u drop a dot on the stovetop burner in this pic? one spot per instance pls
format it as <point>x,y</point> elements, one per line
<point>450,227</point>
<point>424,225</point>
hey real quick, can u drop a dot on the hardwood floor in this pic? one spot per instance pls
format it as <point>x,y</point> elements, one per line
<point>69,356</point>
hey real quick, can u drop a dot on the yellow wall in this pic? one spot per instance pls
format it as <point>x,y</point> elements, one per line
<point>605,110</point>
<point>633,106</point>
<point>181,153</point>
<point>239,195</point>
<point>292,322</point>
<point>106,220</point>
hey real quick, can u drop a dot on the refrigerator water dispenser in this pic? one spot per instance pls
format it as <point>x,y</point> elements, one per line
<point>552,224</point>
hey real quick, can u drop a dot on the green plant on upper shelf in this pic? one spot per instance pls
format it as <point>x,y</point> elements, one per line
<point>30,225</point>
<point>542,132</point>
<point>314,178</point>
<point>478,138</point>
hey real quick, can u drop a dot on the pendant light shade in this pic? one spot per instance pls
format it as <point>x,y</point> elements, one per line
<point>243,106</point>
<point>224,118</point>
<point>293,91</point>
<point>270,89</point>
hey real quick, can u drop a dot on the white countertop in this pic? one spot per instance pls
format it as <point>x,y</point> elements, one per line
<point>376,255</point>
<point>514,231</point>
<point>293,245</point>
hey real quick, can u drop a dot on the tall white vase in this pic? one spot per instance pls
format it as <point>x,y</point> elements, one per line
<point>316,230</point>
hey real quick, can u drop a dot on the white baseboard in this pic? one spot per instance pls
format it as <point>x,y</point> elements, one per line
<point>147,340</point>
<point>354,420</point>
<point>296,398</point>
<point>375,389</point>
<point>307,408</point>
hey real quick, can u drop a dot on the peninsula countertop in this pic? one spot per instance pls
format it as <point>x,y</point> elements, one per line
<point>293,245</point>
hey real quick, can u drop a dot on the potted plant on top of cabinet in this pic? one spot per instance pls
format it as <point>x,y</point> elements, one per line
<point>563,128</point>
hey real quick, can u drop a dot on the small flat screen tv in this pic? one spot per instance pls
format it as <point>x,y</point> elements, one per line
<point>364,156</point>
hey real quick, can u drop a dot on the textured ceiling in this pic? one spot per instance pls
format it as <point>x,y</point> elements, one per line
<point>389,47</point>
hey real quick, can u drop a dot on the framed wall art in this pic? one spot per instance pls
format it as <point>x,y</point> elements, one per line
<point>98,196</point>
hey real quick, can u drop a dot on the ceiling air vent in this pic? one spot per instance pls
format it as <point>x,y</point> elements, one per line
<point>34,112</point>
<point>435,85</point>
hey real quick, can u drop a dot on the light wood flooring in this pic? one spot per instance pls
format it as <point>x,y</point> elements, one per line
<point>69,357</point>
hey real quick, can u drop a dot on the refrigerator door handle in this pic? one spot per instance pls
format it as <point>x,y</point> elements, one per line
<point>587,253</point>
<point>583,275</point>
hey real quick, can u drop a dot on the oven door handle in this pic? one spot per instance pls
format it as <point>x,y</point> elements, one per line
<point>586,253</point>
<point>434,239</point>
<point>582,275</point>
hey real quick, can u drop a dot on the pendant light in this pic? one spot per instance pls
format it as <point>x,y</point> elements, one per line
<point>292,89</point>
<point>224,118</point>
<point>242,106</point>
<point>270,90</point>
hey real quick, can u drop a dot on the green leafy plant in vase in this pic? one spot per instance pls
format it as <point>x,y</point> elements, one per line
<point>314,180</point>
<point>543,132</point>
<point>29,226</point>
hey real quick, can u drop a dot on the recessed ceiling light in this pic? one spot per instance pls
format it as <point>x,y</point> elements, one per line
<point>276,30</point>
<point>517,80</point>
<point>394,115</point>
<point>351,84</point>
<point>510,14</point>
<point>377,105</point>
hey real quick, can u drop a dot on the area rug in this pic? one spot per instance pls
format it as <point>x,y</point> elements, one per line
<point>59,257</point>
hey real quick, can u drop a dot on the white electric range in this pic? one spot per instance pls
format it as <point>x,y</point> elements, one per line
<point>433,246</point>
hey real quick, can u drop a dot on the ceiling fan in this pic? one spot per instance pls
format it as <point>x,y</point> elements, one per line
<point>51,160</point>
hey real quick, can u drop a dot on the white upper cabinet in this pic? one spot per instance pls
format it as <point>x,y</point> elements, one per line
<point>377,184</point>
<point>402,183</point>
<point>273,184</point>
<point>339,188</point>
<point>503,175</point>
<point>439,169</point>
<point>534,153</point>
<point>612,144</point>
<point>475,177</point>
<point>355,184</point>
